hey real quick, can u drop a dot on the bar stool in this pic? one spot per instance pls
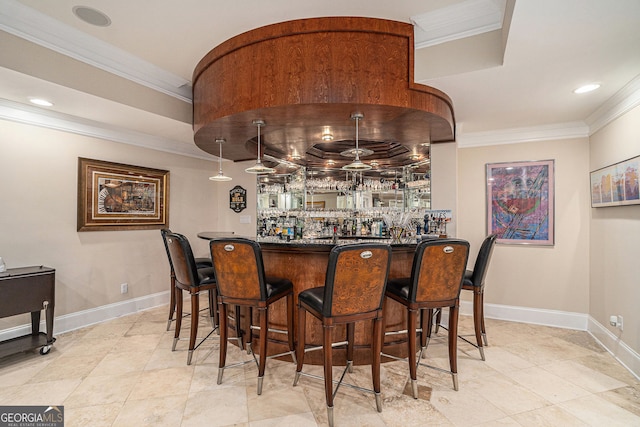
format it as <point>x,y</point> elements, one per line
<point>436,280</point>
<point>242,282</point>
<point>474,281</point>
<point>353,291</point>
<point>200,263</point>
<point>189,278</point>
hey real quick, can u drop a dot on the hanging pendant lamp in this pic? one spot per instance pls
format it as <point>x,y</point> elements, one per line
<point>221,176</point>
<point>259,168</point>
<point>357,164</point>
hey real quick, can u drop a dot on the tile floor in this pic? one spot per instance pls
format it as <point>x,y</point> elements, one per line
<point>123,373</point>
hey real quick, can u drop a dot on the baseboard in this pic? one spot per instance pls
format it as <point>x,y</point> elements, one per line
<point>536,316</point>
<point>80,319</point>
<point>627,356</point>
<point>560,319</point>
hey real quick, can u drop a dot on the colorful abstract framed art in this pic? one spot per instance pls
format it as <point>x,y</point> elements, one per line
<point>520,202</point>
<point>616,185</point>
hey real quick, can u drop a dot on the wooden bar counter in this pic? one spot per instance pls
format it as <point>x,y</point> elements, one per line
<point>305,264</point>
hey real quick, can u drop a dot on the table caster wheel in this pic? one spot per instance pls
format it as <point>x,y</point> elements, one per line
<point>45,350</point>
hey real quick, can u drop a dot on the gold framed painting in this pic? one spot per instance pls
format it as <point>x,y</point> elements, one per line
<point>115,196</point>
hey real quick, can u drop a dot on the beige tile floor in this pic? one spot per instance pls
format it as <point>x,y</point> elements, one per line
<point>123,373</point>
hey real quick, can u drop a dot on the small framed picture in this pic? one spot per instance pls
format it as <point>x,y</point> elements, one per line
<point>616,185</point>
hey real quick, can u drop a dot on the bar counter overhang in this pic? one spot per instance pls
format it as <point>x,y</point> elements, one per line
<point>305,78</point>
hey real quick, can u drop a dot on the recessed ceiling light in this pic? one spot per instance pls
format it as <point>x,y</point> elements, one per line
<point>92,16</point>
<point>587,88</point>
<point>41,102</point>
<point>327,137</point>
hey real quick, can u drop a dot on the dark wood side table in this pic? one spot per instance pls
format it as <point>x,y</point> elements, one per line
<point>28,290</point>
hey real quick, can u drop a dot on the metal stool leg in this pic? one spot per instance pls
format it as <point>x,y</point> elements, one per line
<point>195,311</point>
<point>302,320</point>
<point>176,335</point>
<point>222,310</point>
<point>264,330</point>
<point>172,301</point>
<point>478,320</point>
<point>328,371</point>
<point>411,331</point>
<point>376,348</point>
<point>453,344</point>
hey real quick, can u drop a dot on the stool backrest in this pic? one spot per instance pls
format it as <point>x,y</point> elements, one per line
<point>438,269</point>
<point>181,258</point>
<point>239,268</point>
<point>482,261</point>
<point>164,232</point>
<point>356,279</point>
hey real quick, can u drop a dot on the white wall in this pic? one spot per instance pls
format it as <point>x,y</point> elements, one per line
<point>38,190</point>
<point>615,241</point>
<point>444,182</point>
<point>550,278</point>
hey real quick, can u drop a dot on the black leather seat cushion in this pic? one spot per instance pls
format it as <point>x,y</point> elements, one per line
<point>276,285</point>
<point>466,282</point>
<point>313,297</point>
<point>399,286</point>
<point>203,262</point>
<point>206,275</point>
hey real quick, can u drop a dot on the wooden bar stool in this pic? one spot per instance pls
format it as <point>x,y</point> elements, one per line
<point>353,292</point>
<point>189,278</point>
<point>474,281</point>
<point>200,263</point>
<point>242,282</point>
<point>436,280</point>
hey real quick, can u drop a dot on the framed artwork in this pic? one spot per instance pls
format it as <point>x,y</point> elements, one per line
<point>114,196</point>
<point>616,185</point>
<point>237,199</point>
<point>520,202</point>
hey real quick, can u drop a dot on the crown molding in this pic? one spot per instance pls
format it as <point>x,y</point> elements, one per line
<point>457,21</point>
<point>29,24</point>
<point>518,135</point>
<point>26,114</point>
<point>620,103</point>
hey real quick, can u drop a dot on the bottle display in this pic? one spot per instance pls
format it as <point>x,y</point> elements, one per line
<point>392,204</point>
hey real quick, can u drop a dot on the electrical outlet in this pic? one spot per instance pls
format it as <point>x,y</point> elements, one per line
<point>124,288</point>
<point>616,321</point>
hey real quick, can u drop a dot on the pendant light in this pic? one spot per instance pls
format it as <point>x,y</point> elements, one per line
<point>356,165</point>
<point>259,168</point>
<point>221,176</point>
